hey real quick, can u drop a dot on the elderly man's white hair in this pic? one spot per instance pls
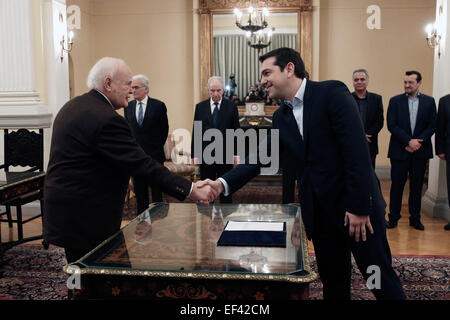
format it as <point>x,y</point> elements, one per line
<point>144,80</point>
<point>215,78</point>
<point>105,67</point>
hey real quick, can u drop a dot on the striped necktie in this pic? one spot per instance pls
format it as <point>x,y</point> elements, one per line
<point>140,115</point>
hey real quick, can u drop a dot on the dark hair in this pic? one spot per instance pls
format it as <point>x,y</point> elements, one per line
<point>285,55</point>
<point>417,73</point>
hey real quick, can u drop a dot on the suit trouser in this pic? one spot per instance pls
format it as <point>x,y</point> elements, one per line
<point>447,164</point>
<point>333,247</point>
<point>142,195</point>
<point>373,157</point>
<point>400,170</point>
<point>214,171</point>
<point>288,181</point>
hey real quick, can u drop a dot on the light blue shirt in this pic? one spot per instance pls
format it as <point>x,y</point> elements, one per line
<point>413,104</point>
<point>297,109</point>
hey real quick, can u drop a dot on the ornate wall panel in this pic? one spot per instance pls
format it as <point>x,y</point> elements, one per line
<point>209,7</point>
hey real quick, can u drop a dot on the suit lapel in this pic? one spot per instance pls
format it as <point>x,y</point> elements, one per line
<point>132,113</point>
<point>370,106</point>
<point>148,111</point>
<point>405,106</point>
<point>289,122</point>
<point>207,113</point>
<point>307,108</point>
<point>420,111</point>
<point>221,113</point>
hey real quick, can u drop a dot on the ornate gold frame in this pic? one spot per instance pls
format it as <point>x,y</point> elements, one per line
<point>209,7</point>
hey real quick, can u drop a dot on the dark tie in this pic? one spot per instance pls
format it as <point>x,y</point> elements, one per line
<point>215,113</point>
<point>140,114</point>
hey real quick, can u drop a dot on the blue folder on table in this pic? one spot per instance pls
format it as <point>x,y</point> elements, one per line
<point>253,238</point>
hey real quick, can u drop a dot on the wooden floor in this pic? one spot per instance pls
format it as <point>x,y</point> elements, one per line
<point>403,240</point>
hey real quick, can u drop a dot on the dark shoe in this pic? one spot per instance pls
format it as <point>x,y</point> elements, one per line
<point>417,225</point>
<point>391,224</point>
<point>447,226</point>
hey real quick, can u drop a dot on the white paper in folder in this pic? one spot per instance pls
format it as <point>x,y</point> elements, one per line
<point>254,226</point>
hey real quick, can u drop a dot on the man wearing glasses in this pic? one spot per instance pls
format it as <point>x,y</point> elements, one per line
<point>370,107</point>
<point>148,122</point>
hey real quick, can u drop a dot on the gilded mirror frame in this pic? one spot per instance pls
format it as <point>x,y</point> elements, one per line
<point>207,8</point>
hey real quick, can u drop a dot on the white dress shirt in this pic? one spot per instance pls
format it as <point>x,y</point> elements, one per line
<point>211,102</point>
<point>297,106</point>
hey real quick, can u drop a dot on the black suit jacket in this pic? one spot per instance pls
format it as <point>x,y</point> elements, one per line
<point>333,158</point>
<point>442,138</point>
<point>228,119</point>
<point>399,125</point>
<point>155,127</point>
<point>92,156</point>
<point>374,119</point>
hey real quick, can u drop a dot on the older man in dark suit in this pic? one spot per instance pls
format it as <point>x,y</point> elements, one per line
<point>149,124</point>
<point>92,156</point>
<point>442,139</point>
<point>215,113</point>
<point>370,108</point>
<point>411,119</point>
<point>339,195</point>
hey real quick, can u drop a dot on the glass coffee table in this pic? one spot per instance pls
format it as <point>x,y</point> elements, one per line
<point>171,251</point>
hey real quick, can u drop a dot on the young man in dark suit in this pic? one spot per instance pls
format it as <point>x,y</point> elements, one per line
<point>92,156</point>
<point>215,113</point>
<point>370,107</point>
<point>149,124</point>
<point>442,138</point>
<point>339,195</point>
<point>411,119</point>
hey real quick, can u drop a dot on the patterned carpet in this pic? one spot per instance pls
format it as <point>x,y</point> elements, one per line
<point>30,272</point>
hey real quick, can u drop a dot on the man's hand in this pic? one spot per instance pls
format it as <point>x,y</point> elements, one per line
<point>203,193</point>
<point>357,225</point>
<point>368,137</point>
<point>409,149</point>
<point>236,160</point>
<point>415,144</point>
<point>442,156</point>
<point>216,185</point>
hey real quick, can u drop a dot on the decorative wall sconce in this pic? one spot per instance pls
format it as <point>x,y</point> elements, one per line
<point>69,44</point>
<point>433,35</point>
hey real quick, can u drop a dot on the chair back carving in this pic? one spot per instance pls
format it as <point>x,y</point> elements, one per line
<point>24,148</point>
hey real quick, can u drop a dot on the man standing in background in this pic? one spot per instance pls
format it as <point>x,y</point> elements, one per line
<point>148,122</point>
<point>370,106</point>
<point>411,119</point>
<point>218,113</point>
<point>442,138</point>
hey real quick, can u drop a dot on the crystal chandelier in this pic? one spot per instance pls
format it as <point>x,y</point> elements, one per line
<point>254,20</point>
<point>259,40</point>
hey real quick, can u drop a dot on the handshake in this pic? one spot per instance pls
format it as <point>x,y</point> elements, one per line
<point>205,191</point>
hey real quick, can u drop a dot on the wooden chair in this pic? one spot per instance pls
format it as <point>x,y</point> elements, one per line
<point>23,148</point>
